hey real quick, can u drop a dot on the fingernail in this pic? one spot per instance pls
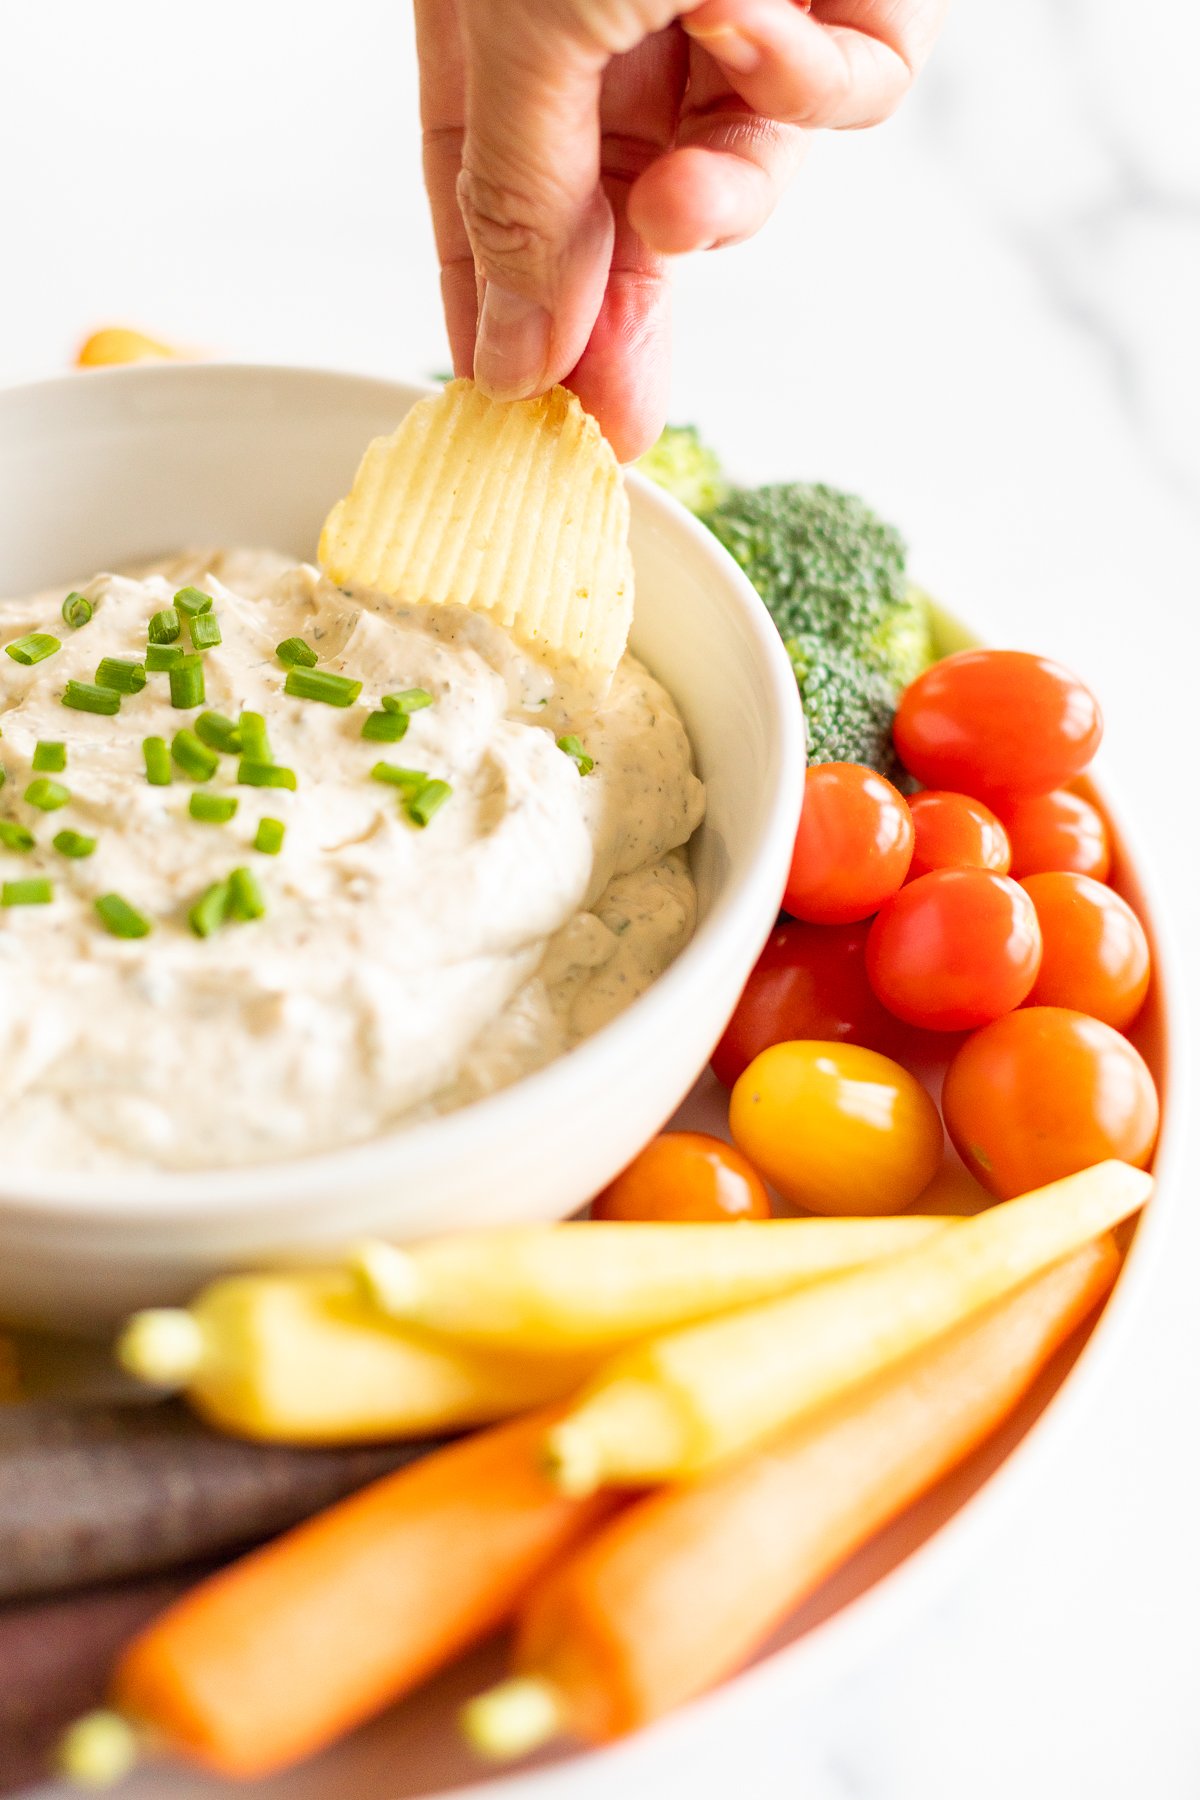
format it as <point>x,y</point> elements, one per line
<point>512,345</point>
<point>730,46</point>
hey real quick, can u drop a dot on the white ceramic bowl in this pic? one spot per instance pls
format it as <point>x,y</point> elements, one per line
<point>100,469</point>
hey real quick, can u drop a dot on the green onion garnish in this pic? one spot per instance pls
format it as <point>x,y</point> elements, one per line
<point>191,601</point>
<point>76,611</point>
<point>16,837</point>
<point>210,909</point>
<point>158,761</point>
<point>35,892</point>
<point>123,920</point>
<point>84,696</point>
<point>164,626</point>
<point>269,836</point>
<point>206,631</point>
<point>294,653</point>
<point>409,781</point>
<point>245,896</point>
<point>193,757</point>
<point>187,681</point>
<point>423,805</point>
<point>3,775</point>
<point>385,727</point>
<point>119,673</point>
<point>49,757</point>
<point>213,809</point>
<point>571,746</point>
<point>47,795</point>
<point>219,733</point>
<point>73,843</point>
<point>319,684</point>
<point>409,700</point>
<point>35,647</point>
<point>256,774</point>
<point>255,744</point>
<point>162,658</point>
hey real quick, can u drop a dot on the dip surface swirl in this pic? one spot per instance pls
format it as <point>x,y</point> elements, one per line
<point>397,971</point>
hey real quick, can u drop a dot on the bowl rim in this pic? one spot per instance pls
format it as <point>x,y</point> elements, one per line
<point>287,1184</point>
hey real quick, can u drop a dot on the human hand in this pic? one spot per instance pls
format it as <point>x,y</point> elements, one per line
<point>571,146</point>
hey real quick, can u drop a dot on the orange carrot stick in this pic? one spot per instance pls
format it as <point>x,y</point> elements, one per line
<point>274,1657</point>
<point>681,1588</point>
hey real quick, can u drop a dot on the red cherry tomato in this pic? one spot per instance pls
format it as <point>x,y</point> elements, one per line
<point>853,847</point>
<point>990,722</point>
<point>955,832</point>
<point>1095,957</point>
<point>1057,831</point>
<point>955,949</point>
<point>685,1177</point>
<point>809,982</point>
<point>1044,1093</point>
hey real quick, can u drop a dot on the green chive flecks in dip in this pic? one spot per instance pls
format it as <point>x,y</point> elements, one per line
<point>164,627</point>
<point>85,696</point>
<point>187,681</point>
<point>121,919</point>
<point>294,653</point>
<point>571,746</point>
<point>35,892</point>
<point>49,757</point>
<point>76,610</point>
<point>47,795</point>
<point>256,746</point>
<point>246,900</point>
<point>269,837</point>
<point>162,658</point>
<point>213,809</point>
<point>385,727</point>
<point>205,631</point>
<point>219,733</point>
<point>430,799</point>
<point>158,761</point>
<point>409,700</point>
<point>193,757</point>
<point>319,684</point>
<point>74,843</point>
<point>119,673</point>
<point>210,909</point>
<point>191,600</point>
<point>16,837</point>
<point>409,781</point>
<point>35,647</point>
<point>265,775</point>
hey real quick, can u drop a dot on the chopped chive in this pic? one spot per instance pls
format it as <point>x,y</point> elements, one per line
<point>73,843</point>
<point>16,837</point>
<point>158,761</point>
<point>34,647</point>
<point>84,696</point>
<point>35,892</point>
<point>3,775</point>
<point>206,631</point>
<point>571,746</point>
<point>269,836</point>
<point>245,896</point>
<point>294,653</point>
<point>219,733</point>
<point>385,727</point>
<point>162,658</point>
<point>121,919</point>
<point>49,757</point>
<point>423,805</point>
<point>193,757</point>
<point>409,781</point>
<point>164,626</point>
<point>255,744</point>
<point>213,809</point>
<point>118,672</point>
<point>268,775</point>
<point>210,909</point>
<point>76,611</point>
<point>191,601</point>
<point>187,681</point>
<point>319,684</point>
<point>409,700</point>
<point>47,795</point>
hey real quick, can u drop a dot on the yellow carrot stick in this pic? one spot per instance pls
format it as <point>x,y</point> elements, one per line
<point>692,1398</point>
<point>555,1289</point>
<point>301,1359</point>
<point>681,1588</point>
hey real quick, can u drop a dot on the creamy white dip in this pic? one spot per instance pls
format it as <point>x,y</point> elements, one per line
<point>397,971</point>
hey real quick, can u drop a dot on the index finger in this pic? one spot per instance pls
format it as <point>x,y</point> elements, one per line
<point>443,118</point>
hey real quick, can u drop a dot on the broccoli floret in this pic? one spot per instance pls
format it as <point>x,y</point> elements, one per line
<point>687,468</point>
<point>825,564</point>
<point>849,708</point>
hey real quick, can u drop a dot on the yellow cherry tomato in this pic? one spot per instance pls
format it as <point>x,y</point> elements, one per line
<point>836,1128</point>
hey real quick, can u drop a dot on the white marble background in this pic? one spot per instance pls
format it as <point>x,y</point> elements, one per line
<point>983,316</point>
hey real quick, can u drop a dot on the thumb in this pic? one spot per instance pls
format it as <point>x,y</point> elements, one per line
<point>539,226</point>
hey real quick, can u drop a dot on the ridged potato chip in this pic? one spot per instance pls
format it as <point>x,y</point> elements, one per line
<point>515,509</point>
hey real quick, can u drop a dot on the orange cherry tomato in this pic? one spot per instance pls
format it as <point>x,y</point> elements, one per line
<point>836,1128</point>
<point>988,722</point>
<point>685,1177</point>
<point>853,846</point>
<point>1061,830</point>
<point>955,832</point>
<point>1044,1093</point>
<point>809,982</point>
<point>1095,956</point>
<point>955,949</point>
